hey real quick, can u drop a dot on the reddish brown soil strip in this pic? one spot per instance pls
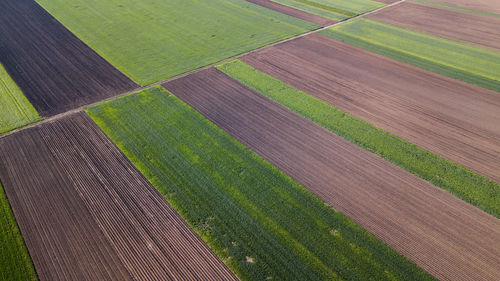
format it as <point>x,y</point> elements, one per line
<point>447,23</point>
<point>87,214</point>
<point>56,71</point>
<point>444,235</point>
<point>387,1</point>
<point>490,6</point>
<point>293,12</point>
<point>450,118</point>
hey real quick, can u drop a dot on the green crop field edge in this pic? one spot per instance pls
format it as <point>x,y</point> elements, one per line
<point>16,110</point>
<point>15,262</point>
<point>459,181</point>
<point>457,8</point>
<point>259,221</point>
<point>151,41</point>
<point>469,64</point>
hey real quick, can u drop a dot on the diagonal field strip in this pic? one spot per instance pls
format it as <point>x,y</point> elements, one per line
<point>86,213</point>
<point>54,69</point>
<point>472,28</point>
<point>60,115</point>
<point>16,111</point>
<point>460,124</point>
<point>321,21</point>
<point>264,225</point>
<point>444,235</point>
<point>155,40</point>
<point>485,7</point>
<point>461,182</point>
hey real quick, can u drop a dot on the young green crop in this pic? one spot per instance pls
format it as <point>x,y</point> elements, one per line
<point>16,110</point>
<point>259,221</point>
<point>15,262</point>
<point>466,63</point>
<point>154,40</point>
<point>463,183</point>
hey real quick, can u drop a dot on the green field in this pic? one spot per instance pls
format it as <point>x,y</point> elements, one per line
<point>15,262</point>
<point>156,39</point>
<point>260,222</point>
<point>16,110</point>
<point>467,63</point>
<point>463,183</point>
<point>333,9</point>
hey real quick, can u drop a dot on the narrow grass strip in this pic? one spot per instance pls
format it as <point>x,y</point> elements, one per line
<point>16,111</point>
<point>466,63</point>
<point>313,10</point>
<point>461,182</point>
<point>15,262</point>
<point>260,222</point>
<point>457,8</point>
<point>327,7</point>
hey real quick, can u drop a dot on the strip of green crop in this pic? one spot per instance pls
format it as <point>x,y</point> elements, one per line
<point>463,183</point>
<point>466,63</point>
<point>321,7</point>
<point>457,8</point>
<point>16,111</point>
<point>154,40</point>
<point>15,262</point>
<point>259,221</point>
<point>313,10</point>
<point>333,9</point>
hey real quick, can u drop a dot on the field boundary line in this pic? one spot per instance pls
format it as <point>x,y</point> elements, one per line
<point>142,88</point>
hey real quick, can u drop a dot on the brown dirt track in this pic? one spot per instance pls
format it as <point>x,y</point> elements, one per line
<point>56,71</point>
<point>453,119</point>
<point>490,6</point>
<point>86,213</point>
<point>444,235</point>
<point>447,23</point>
<point>293,12</point>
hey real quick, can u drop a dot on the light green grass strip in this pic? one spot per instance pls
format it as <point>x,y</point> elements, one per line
<point>313,10</point>
<point>457,8</point>
<point>154,40</point>
<point>463,183</point>
<point>15,110</point>
<point>456,60</point>
<point>15,262</point>
<point>333,9</point>
<point>241,205</point>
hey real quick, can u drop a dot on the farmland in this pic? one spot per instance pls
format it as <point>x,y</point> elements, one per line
<point>466,63</point>
<point>471,28</point>
<point>294,12</point>
<point>87,214</point>
<point>54,69</point>
<point>16,109</point>
<point>249,140</point>
<point>333,9</point>
<point>15,263</point>
<point>154,40</point>
<point>400,209</point>
<point>242,206</point>
<point>394,97</point>
<point>477,190</point>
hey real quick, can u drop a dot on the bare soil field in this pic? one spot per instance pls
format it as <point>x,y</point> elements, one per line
<point>490,6</point>
<point>293,12</point>
<point>55,70</point>
<point>86,213</point>
<point>450,118</point>
<point>444,235</point>
<point>447,23</point>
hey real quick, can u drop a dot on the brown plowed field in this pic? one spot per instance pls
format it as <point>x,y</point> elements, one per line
<point>453,119</point>
<point>490,6</point>
<point>293,12</point>
<point>444,235</point>
<point>447,23</point>
<point>86,213</point>
<point>56,71</point>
